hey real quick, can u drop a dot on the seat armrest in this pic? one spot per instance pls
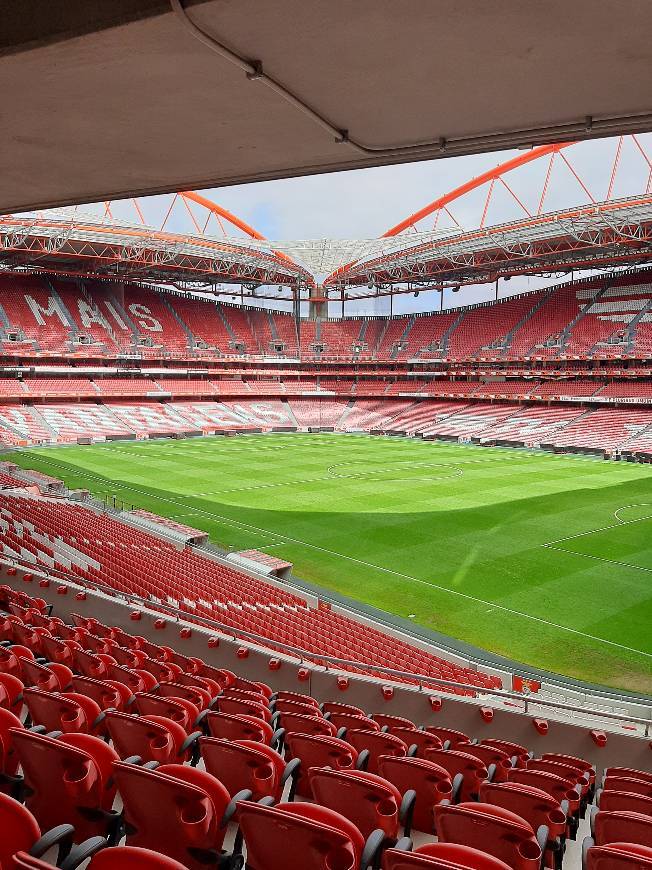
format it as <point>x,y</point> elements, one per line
<point>587,843</point>
<point>232,806</point>
<point>192,741</point>
<point>292,770</point>
<point>363,760</point>
<point>406,810</point>
<point>372,850</point>
<point>83,852</point>
<point>61,836</point>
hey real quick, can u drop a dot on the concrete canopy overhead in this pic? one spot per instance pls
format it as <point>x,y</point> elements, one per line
<point>112,98</point>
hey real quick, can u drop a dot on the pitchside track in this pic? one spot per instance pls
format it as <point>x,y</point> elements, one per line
<point>545,559</point>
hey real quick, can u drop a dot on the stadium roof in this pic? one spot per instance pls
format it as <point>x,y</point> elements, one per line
<point>109,98</point>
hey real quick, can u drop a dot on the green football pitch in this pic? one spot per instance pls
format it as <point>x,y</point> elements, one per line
<point>541,558</point>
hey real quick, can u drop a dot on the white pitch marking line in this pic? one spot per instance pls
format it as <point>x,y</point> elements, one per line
<point>457,593</point>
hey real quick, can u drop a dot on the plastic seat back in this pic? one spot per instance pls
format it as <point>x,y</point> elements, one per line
<point>492,829</point>
<point>627,783</point>
<point>622,826</point>
<point>20,830</point>
<point>67,711</point>
<point>613,801</point>
<point>619,856</point>
<point>532,804</point>
<point>376,743</point>
<point>449,735</point>
<point>176,810</point>
<point>67,778</point>
<point>472,769</point>
<point>299,837</point>
<point>153,738</point>
<point>441,856</point>
<point>244,764</point>
<point>179,710</point>
<point>367,800</point>
<point>489,755</point>
<point>230,726</point>
<point>431,783</point>
<point>316,750</point>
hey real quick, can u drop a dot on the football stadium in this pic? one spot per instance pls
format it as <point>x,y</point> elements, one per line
<point>326,436</point>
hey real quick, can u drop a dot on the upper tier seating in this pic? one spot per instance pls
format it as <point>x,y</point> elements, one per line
<point>606,317</point>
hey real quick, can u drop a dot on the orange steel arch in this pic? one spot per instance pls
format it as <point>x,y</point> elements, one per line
<point>474,183</point>
<point>222,212</point>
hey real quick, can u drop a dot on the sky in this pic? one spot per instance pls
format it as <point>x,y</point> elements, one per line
<point>364,203</point>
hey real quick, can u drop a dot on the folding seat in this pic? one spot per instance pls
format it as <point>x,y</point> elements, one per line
<point>296,723</point>
<point>617,856</point>
<point>422,740</point>
<point>284,706</point>
<point>621,826</point>
<point>629,772</point>
<point>472,769</point>
<point>537,808</point>
<point>135,680</point>
<point>10,660</point>
<point>391,722</point>
<point>116,858</point>
<point>11,692</point>
<point>628,784</point>
<point>243,695</point>
<point>179,811</point>
<point>151,738</point>
<point>207,684</point>
<point>316,750</point>
<point>318,839</point>
<point>622,800</point>
<point>61,651</point>
<point>64,711</point>
<point>9,760</point>
<point>196,695</point>
<point>21,833</point>
<point>243,707</point>
<point>294,696</point>
<point>376,743</point>
<point>573,761</point>
<point>556,786</point>
<point>251,685</point>
<point>566,771</point>
<point>350,720</point>
<point>69,779</point>
<point>514,750</point>
<point>366,799</point>
<point>336,707</point>
<point>441,856</point>
<point>492,829</point>
<point>229,726</point>
<point>431,783</point>
<point>49,678</point>
<point>492,757</point>
<point>91,665</point>
<point>178,709</point>
<point>107,694</point>
<point>245,764</point>
<point>450,738</point>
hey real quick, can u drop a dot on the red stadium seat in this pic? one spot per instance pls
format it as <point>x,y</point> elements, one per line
<point>431,783</point>
<point>246,764</point>
<point>441,856</point>
<point>151,738</point>
<point>492,829</point>
<point>321,839</point>
<point>472,769</point>
<point>617,856</point>
<point>367,800</point>
<point>69,780</point>
<point>177,810</point>
<point>21,833</point>
<point>317,750</point>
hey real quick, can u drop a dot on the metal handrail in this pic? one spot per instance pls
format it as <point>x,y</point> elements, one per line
<point>304,655</point>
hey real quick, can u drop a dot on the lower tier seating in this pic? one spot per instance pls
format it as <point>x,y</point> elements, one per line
<point>130,754</point>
